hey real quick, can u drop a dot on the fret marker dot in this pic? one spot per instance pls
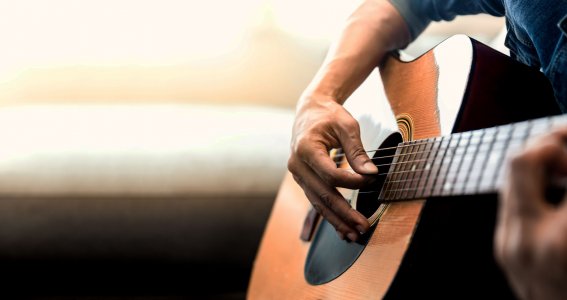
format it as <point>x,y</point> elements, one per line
<point>427,166</point>
<point>413,168</point>
<point>447,186</point>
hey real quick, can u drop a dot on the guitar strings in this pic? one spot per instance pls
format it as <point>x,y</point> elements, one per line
<point>451,171</point>
<point>403,172</point>
<point>498,143</point>
<point>437,190</point>
<point>470,135</point>
<point>464,186</point>
<point>399,146</point>
<point>429,151</point>
<point>397,194</point>
<point>448,138</point>
<point>434,184</point>
<point>408,144</point>
<point>456,184</point>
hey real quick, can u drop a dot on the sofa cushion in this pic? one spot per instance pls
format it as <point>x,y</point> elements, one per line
<point>142,149</point>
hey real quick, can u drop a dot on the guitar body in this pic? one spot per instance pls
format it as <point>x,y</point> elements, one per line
<point>435,248</point>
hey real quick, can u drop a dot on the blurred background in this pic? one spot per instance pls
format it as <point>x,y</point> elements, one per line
<point>219,51</point>
<point>145,140</point>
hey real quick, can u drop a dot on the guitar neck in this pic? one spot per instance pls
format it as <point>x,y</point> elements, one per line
<point>466,163</point>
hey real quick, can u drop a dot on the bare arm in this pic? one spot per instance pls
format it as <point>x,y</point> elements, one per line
<point>322,123</point>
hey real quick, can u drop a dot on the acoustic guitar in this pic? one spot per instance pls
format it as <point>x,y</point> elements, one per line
<point>454,115</point>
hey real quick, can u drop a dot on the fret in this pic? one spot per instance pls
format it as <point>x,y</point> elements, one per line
<point>412,164</point>
<point>443,144</point>
<point>431,159</point>
<point>458,176</point>
<point>518,137</point>
<point>460,154</point>
<point>470,161</point>
<point>466,166</point>
<point>391,179</point>
<point>445,165</point>
<point>539,127</point>
<point>451,163</point>
<point>521,134</point>
<point>404,166</point>
<point>422,163</point>
<point>395,183</point>
<point>405,170</point>
<point>487,140</point>
<point>521,130</point>
<point>436,164</point>
<point>388,181</point>
<point>473,171</point>
<point>430,150</point>
<point>493,165</point>
<point>419,164</point>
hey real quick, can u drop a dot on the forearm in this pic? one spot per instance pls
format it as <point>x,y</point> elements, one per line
<point>371,31</point>
<point>322,123</point>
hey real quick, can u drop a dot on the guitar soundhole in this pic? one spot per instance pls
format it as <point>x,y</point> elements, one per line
<point>329,256</point>
<point>367,201</point>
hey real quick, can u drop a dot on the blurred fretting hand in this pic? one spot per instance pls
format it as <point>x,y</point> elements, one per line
<point>531,234</point>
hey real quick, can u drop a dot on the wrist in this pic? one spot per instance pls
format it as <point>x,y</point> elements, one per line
<point>316,99</point>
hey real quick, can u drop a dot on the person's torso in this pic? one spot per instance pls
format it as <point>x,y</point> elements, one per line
<point>537,34</point>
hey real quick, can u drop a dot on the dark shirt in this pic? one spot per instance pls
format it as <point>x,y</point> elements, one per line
<point>537,30</point>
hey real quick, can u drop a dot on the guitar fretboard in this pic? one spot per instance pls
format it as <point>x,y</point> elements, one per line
<point>464,163</point>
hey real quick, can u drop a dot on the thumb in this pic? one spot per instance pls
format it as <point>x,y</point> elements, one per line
<point>356,155</point>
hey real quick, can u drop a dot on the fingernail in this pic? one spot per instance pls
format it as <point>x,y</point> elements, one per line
<point>369,167</point>
<point>360,229</point>
<point>352,236</point>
